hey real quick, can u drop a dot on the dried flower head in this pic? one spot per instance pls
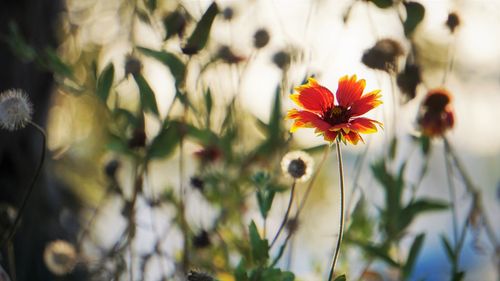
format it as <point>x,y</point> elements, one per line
<point>201,240</point>
<point>228,56</point>
<point>175,24</point>
<point>60,257</point>
<point>383,55</point>
<point>261,38</point>
<point>133,66</point>
<point>453,21</point>
<point>228,13</point>
<point>436,114</point>
<point>15,109</point>
<point>195,275</point>
<point>282,59</point>
<point>408,81</point>
<point>297,165</point>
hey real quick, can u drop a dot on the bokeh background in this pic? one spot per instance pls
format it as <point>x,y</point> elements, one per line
<point>326,39</point>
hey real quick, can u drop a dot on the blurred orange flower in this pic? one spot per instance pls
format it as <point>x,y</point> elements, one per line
<point>338,118</point>
<point>436,114</point>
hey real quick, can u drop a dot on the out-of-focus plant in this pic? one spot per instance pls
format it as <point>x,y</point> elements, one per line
<point>239,157</point>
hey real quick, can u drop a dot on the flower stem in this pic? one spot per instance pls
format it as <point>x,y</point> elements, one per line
<point>7,236</point>
<point>341,224</point>
<point>287,213</point>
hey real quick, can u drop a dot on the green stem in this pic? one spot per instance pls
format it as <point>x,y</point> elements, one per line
<point>341,224</point>
<point>452,194</point>
<point>287,213</point>
<point>7,236</point>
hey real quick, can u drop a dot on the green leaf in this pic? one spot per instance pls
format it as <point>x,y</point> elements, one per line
<point>375,251</point>
<point>240,274</point>
<point>148,100</point>
<point>415,13</point>
<point>199,37</point>
<point>458,276</point>
<point>265,199</point>
<point>382,3</point>
<point>393,148</point>
<point>164,143</point>
<point>260,247</point>
<point>275,122</point>
<point>151,4</point>
<point>53,62</point>
<point>208,106</point>
<point>340,278</point>
<point>176,66</point>
<point>104,82</point>
<point>448,248</point>
<point>425,144</point>
<point>412,256</point>
<point>417,207</point>
<point>361,225</point>
<point>18,45</point>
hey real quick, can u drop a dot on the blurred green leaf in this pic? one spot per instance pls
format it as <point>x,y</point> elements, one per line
<point>375,251</point>
<point>18,45</point>
<point>176,66</point>
<point>409,213</point>
<point>382,3</point>
<point>51,61</point>
<point>199,37</point>
<point>265,199</point>
<point>260,247</point>
<point>315,149</point>
<point>415,13</point>
<point>448,248</point>
<point>175,23</point>
<point>412,256</point>
<point>208,106</point>
<point>143,16</point>
<point>393,148</point>
<point>240,274</point>
<point>361,226</point>
<point>340,278</point>
<point>151,4</point>
<point>104,82</point>
<point>458,276</point>
<point>164,143</point>
<point>425,144</point>
<point>148,100</point>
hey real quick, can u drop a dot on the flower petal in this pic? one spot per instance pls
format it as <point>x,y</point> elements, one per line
<point>364,125</point>
<point>306,119</point>
<point>366,103</point>
<point>330,136</point>
<point>353,137</point>
<point>349,90</point>
<point>313,97</point>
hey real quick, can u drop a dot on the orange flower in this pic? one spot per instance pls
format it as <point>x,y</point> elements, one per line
<point>338,118</point>
<point>436,114</point>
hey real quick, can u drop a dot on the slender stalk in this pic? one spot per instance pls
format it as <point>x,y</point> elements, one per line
<point>287,213</point>
<point>452,194</point>
<point>341,224</point>
<point>7,236</point>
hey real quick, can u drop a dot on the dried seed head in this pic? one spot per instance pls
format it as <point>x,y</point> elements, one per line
<point>60,257</point>
<point>383,55</point>
<point>201,240</point>
<point>133,66</point>
<point>261,38</point>
<point>453,21</point>
<point>297,165</point>
<point>195,275</point>
<point>228,13</point>
<point>408,81</point>
<point>197,183</point>
<point>436,114</point>
<point>282,59</point>
<point>15,109</point>
<point>228,56</point>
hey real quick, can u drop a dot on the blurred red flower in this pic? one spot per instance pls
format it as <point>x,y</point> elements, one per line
<point>436,114</point>
<point>338,118</point>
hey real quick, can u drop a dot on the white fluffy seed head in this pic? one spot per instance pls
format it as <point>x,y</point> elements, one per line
<point>15,109</point>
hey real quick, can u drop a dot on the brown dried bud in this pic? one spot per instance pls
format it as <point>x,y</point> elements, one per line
<point>227,55</point>
<point>408,81</point>
<point>138,138</point>
<point>453,21</point>
<point>201,240</point>
<point>383,55</point>
<point>261,38</point>
<point>228,13</point>
<point>133,66</point>
<point>175,24</point>
<point>436,114</point>
<point>282,59</point>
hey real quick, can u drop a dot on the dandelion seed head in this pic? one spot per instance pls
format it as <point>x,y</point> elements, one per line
<point>15,109</point>
<point>60,257</point>
<point>297,165</point>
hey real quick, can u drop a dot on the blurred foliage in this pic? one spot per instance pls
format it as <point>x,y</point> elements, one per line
<point>233,170</point>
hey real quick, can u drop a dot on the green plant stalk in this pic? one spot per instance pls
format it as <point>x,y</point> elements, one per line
<point>8,235</point>
<point>341,224</point>
<point>452,194</point>
<point>287,213</point>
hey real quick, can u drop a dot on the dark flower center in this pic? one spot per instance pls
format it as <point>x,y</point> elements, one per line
<point>297,168</point>
<point>337,115</point>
